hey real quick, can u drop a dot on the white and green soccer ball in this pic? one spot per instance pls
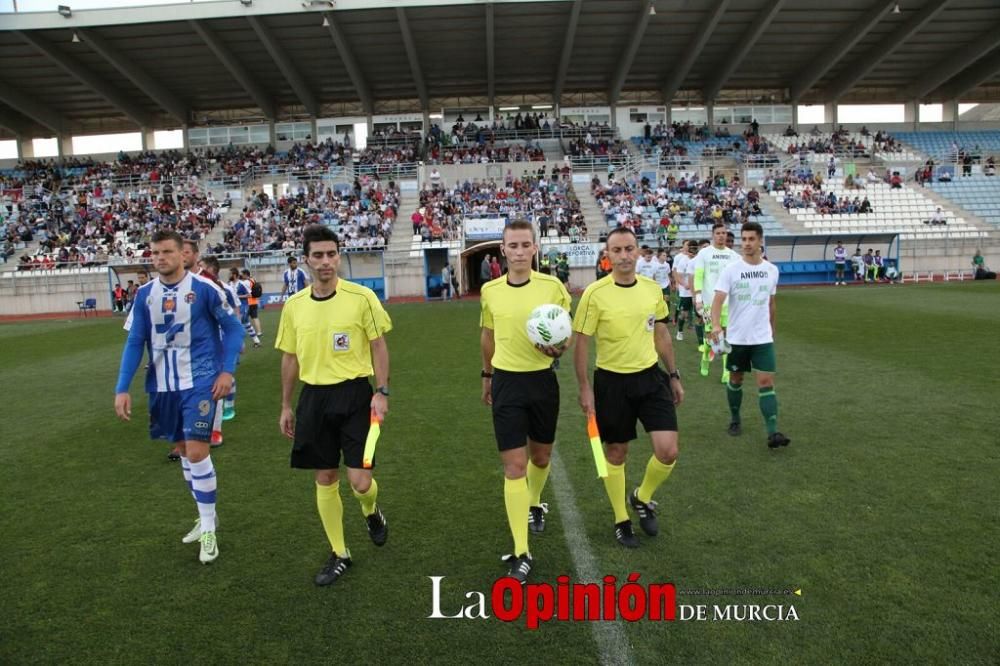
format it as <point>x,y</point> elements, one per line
<point>549,325</point>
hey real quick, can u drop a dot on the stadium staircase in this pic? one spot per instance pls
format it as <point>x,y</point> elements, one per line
<point>791,225</point>
<point>593,214</point>
<point>552,148</point>
<point>939,195</point>
<point>402,237</point>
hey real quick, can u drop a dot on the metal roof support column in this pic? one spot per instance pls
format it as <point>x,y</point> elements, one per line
<point>490,56</point>
<point>631,48</point>
<point>236,69</point>
<point>32,108</point>
<point>954,64</point>
<point>139,78</point>
<point>861,67</point>
<point>351,65</point>
<point>88,78</point>
<point>760,23</point>
<point>567,51</point>
<point>979,73</point>
<point>675,80</point>
<point>413,57</point>
<point>285,65</point>
<point>832,53</point>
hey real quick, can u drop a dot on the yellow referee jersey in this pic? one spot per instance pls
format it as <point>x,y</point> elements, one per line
<point>505,310</point>
<point>331,336</point>
<point>622,319</point>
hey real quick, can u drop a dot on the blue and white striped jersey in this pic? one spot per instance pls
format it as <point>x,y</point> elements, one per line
<point>181,324</point>
<point>294,280</point>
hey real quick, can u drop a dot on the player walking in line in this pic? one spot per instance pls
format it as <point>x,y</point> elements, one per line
<point>191,256</point>
<point>661,275</point>
<point>294,279</point>
<point>627,315</point>
<point>521,386</point>
<point>707,267</point>
<point>683,273</point>
<point>179,315</point>
<point>244,288</point>
<point>750,284</point>
<point>253,302</point>
<point>332,334</point>
<point>210,269</point>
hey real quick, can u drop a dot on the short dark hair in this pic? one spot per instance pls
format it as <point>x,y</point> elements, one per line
<point>143,271</point>
<point>717,224</point>
<point>730,234</point>
<point>193,245</point>
<point>317,233</point>
<point>519,225</point>
<point>163,235</point>
<point>620,230</point>
<point>293,258</point>
<point>211,263</point>
<point>754,227</point>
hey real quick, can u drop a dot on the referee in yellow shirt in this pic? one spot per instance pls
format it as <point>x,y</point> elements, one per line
<point>332,335</point>
<point>627,315</point>
<point>521,386</point>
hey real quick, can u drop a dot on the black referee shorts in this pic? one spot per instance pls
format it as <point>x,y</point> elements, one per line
<point>330,421</point>
<point>525,405</point>
<point>621,399</point>
<point>252,311</point>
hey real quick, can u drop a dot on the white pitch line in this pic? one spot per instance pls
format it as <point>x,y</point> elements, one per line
<point>610,636</point>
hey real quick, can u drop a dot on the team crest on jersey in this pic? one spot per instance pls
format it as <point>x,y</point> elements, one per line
<point>169,304</point>
<point>650,322</point>
<point>341,342</point>
<point>204,407</point>
<point>189,298</point>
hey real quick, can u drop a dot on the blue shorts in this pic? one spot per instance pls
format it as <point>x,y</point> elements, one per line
<point>179,416</point>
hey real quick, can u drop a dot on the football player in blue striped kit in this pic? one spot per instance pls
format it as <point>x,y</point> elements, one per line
<point>180,315</point>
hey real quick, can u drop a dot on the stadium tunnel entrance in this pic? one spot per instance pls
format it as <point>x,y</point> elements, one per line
<point>472,260</point>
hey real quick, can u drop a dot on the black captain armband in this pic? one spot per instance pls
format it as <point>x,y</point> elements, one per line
<point>665,320</point>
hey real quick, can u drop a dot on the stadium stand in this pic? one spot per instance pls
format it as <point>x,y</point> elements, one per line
<point>362,216</point>
<point>946,146</point>
<point>977,194</point>
<point>550,202</point>
<point>690,202</point>
<point>894,208</point>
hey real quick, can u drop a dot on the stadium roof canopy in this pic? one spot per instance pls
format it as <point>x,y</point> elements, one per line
<point>203,63</point>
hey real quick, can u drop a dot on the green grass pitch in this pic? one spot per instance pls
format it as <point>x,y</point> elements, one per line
<point>884,510</point>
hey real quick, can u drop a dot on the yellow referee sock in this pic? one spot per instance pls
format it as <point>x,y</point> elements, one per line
<point>614,484</point>
<point>517,500</point>
<point>331,512</point>
<point>537,476</point>
<point>656,474</point>
<point>367,499</point>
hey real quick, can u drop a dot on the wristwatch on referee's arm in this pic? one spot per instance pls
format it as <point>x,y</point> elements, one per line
<point>485,374</point>
<point>674,374</point>
<point>384,390</point>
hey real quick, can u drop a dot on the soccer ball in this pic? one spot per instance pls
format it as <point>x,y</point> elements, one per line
<point>549,325</point>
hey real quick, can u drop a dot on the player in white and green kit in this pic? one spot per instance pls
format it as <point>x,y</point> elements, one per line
<point>749,284</point>
<point>708,265</point>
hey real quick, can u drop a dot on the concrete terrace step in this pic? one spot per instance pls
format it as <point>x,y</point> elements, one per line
<point>948,204</point>
<point>772,207</point>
